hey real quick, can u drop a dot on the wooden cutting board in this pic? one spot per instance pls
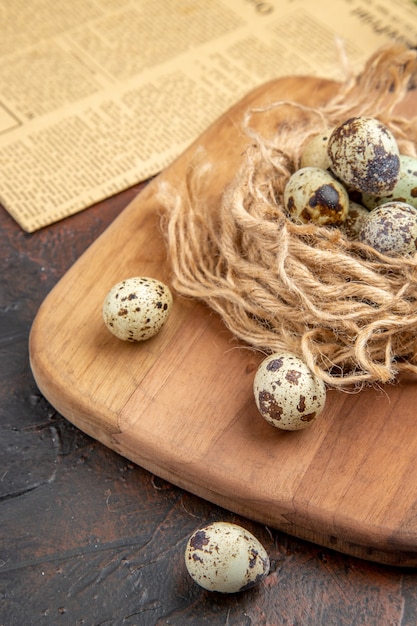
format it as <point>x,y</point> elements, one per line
<point>181,404</point>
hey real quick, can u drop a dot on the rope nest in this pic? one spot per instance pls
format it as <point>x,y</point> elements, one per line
<point>348,311</point>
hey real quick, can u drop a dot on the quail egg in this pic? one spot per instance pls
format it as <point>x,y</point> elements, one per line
<point>354,221</point>
<point>313,195</point>
<point>391,229</point>
<point>364,155</point>
<point>314,153</point>
<point>136,308</point>
<point>225,557</point>
<point>287,393</point>
<point>404,191</point>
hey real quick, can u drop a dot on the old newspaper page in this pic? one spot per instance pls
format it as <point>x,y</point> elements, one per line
<point>97,95</point>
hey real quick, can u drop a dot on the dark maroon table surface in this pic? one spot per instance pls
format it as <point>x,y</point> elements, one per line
<point>89,538</point>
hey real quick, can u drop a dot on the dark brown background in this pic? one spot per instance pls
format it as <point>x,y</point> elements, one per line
<point>89,538</point>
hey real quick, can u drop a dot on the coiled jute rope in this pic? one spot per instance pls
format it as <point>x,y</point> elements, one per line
<point>348,311</point>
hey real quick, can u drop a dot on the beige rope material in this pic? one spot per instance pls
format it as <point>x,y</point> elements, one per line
<point>348,311</point>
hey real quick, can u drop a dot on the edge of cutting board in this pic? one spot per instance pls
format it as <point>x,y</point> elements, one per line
<point>181,404</point>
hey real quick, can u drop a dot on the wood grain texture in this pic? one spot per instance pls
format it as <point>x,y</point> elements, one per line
<point>181,406</point>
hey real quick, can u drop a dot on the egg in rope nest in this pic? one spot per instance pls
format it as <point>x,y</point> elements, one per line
<point>364,162</point>
<point>359,158</point>
<point>297,276</point>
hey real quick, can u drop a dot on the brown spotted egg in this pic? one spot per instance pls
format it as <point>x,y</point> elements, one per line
<point>287,393</point>
<point>314,152</point>
<point>135,309</point>
<point>391,229</point>
<point>405,189</point>
<point>354,221</point>
<point>364,155</point>
<point>225,557</point>
<point>313,195</point>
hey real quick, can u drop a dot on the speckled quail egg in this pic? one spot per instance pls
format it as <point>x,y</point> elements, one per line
<point>313,195</point>
<point>287,393</point>
<point>353,223</point>
<point>225,557</point>
<point>314,152</point>
<point>391,229</point>
<point>136,308</point>
<point>364,155</point>
<point>405,189</point>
